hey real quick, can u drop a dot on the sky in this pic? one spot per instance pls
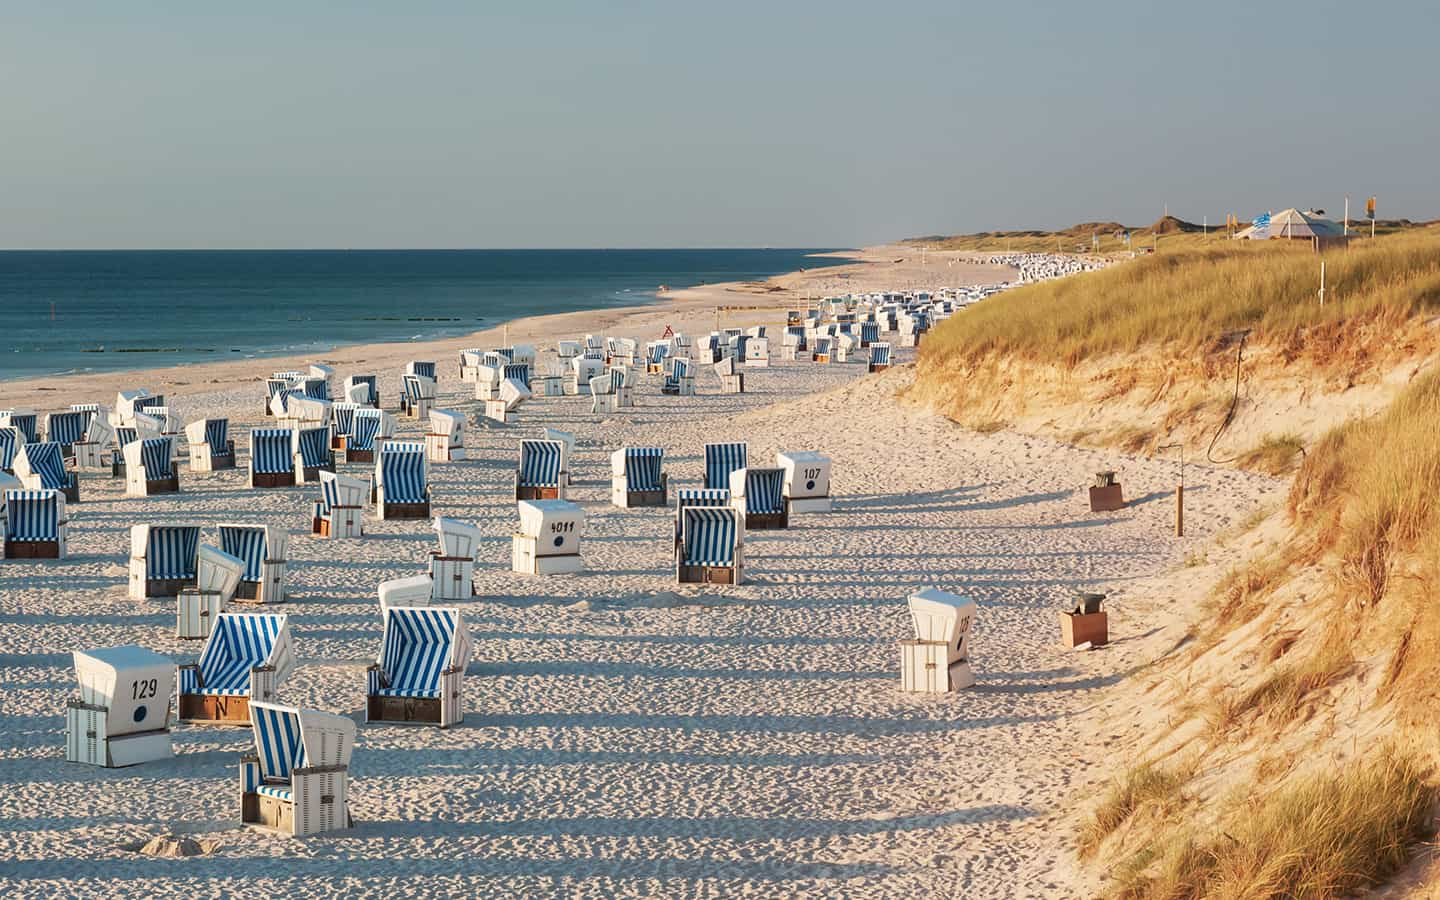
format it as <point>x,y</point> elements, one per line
<point>542,124</point>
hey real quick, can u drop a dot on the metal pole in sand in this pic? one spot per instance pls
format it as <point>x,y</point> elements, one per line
<point>1179,489</point>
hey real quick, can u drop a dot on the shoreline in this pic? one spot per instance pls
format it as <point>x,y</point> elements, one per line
<point>697,309</point>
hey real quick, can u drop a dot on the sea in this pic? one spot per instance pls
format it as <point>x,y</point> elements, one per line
<point>66,312</point>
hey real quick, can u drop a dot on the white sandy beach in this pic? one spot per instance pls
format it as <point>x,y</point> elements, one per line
<point>625,735</point>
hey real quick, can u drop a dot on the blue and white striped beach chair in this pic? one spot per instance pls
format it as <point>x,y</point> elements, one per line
<point>273,387</point>
<point>720,461</point>
<point>422,368</point>
<point>22,419</point>
<point>210,445</point>
<point>297,782</point>
<point>540,474</point>
<point>686,497</point>
<point>150,468</point>
<point>363,389</point>
<point>402,485</point>
<point>315,387</point>
<point>680,380</point>
<point>271,462</point>
<point>869,333</point>
<point>263,549</point>
<point>41,467</point>
<point>637,477</point>
<point>66,429</point>
<point>759,496</point>
<point>417,396</point>
<point>312,454</point>
<point>421,671</point>
<point>879,356</point>
<point>35,526</point>
<point>655,354</point>
<point>11,440</point>
<point>163,559</point>
<point>368,430</point>
<point>339,512</point>
<point>342,418</point>
<point>824,349</point>
<point>246,657</point>
<point>710,546</point>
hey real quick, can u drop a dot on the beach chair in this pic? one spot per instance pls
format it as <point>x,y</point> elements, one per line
<point>362,389</point>
<point>339,512</point>
<point>523,355</point>
<point>720,461</point>
<point>162,560</point>
<point>142,427</point>
<point>314,387</point>
<point>514,384</point>
<point>421,369</point>
<point>170,426</point>
<point>369,430</point>
<point>11,440</point>
<point>342,423</point>
<point>297,782</point>
<point>210,445</point>
<point>540,473</point>
<point>66,429</point>
<point>90,449</point>
<point>711,546</point>
<point>420,675</point>
<point>302,412</point>
<point>757,352</point>
<point>637,477</point>
<point>274,387</point>
<point>823,349</point>
<point>412,591</point>
<point>548,542</point>
<point>41,467</point>
<point>655,354</point>
<point>23,420</point>
<point>245,659</point>
<point>487,378</point>
<point>707,350</point>
<point>552,382</point>
<point>311,454</point>
<point>567,350</point>
<point>35,524</point>
<point>272,464</point>
<point>792,342</point>
<point>402,488</point>
<point>879,356</point>
<point>122,716</point>
<point>263,549</point>
<point>324,373</point>
<point>470,361</point>
<point>680,380</point>
<point>567,449</point>
<point>417,396</point>
<point>583,369</point>
<point>845,347</point>
<point>807,481</point>
<point>625,378</point>
<point>731,381</point>
<point>758,495</point>
<point>446,440</point>
<point>686,497</point>
<point>937,659</point>
<point>217,577</point>
<point>602,393</point>
<point>452,567</point>
<point>869,333</point>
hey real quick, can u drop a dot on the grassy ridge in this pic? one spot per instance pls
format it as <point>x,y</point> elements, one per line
<point>1184,300</point>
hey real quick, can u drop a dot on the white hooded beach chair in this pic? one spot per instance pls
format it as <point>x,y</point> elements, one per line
<point>758,495</point>
<point>721,460</point>
<point>264,549</point>
<point>420,675</point>
<point>41,467</point>
<point>637,477</point>
<point>879,356</point>
<point>446,440</point>
<point>471,359</point>
<point>35,524</point>
<point>246,658</point>
<point>142,427</point>
<point>23,420</point>
<point>297,782</point>
<point>402,485</point>
<point>757,352</point>
<point>66,429</point>
<point>567,450</point>
<point>540,474</point>
<point>567,349</point>
<point>314,387</point>
<point>452,567</point>
<point>711,545</point>
<point>655,354</point>
<point>324,373</point>
<point>583,368</point>
<point>417,396</point>
<point>217,577</point>
<point>362,389</point>
<point>310,450</point>
<point>680,380</point>
<point>548,542</point>
<point>708,350</point>
<point>514,385</point>
<point>731,381</point>
<point>275,387</point>
<point>369,431</point>
<point>487,377</point>
<point>11,440</point>
<point>162,559</point>
<point>846,346</point>
<point>422,369</point>
<point>412,591</point>
<point>169,424</point>
<point>272,463</point>
<point>340,511</point>
<point>300,412</point>
<point>122,716</point>
<point>793,342</point>
<point>937,659</point>
<point>807,480</point>
<point>90,449</point>
<point>210,445</point>
<point>602,392</point>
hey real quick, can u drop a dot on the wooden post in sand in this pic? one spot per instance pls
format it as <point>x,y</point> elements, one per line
<point>1180,510</point>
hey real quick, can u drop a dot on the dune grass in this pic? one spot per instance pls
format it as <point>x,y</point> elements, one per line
<point>1145,787</point>
<point>1187,299</point>
<point>1274,455</point>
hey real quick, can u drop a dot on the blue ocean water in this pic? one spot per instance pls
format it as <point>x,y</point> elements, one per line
<point>77,311</point>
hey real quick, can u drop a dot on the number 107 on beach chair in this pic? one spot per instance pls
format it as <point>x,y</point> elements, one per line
<point>937,659</point>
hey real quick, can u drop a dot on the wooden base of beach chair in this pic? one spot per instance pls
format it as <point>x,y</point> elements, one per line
<point>877,367</point>
<point>87,456</point>
<point>311,474</point>
<point>526,561</point>
<point>142,588</point>
<point>925,668</point>
<point>538,493</point>
<point>354,456</point>
<point>1106,499</point>
<point>272,479</point>
<point>732,384</point>
<point>86,740</point>
<point>404,510</point>
<point>211,462</point>
<point>707,574</point>
<point>195,613</point>
<point>415,409</point>
<point>451,577</point>
<point>635,499</point>
<point>344,522</point>
<point>1092,628</point>
<point>271,590</point>
<point>267,813</point>
<point>169,485</point>
<point>33,550</point>
<point>214,709</point>
<point>413,710</point>
<point>767,521</point>
<point>654,368</point>
<point>809,504</point>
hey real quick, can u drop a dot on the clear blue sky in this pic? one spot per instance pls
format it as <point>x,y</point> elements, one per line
<point>674,124</point>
